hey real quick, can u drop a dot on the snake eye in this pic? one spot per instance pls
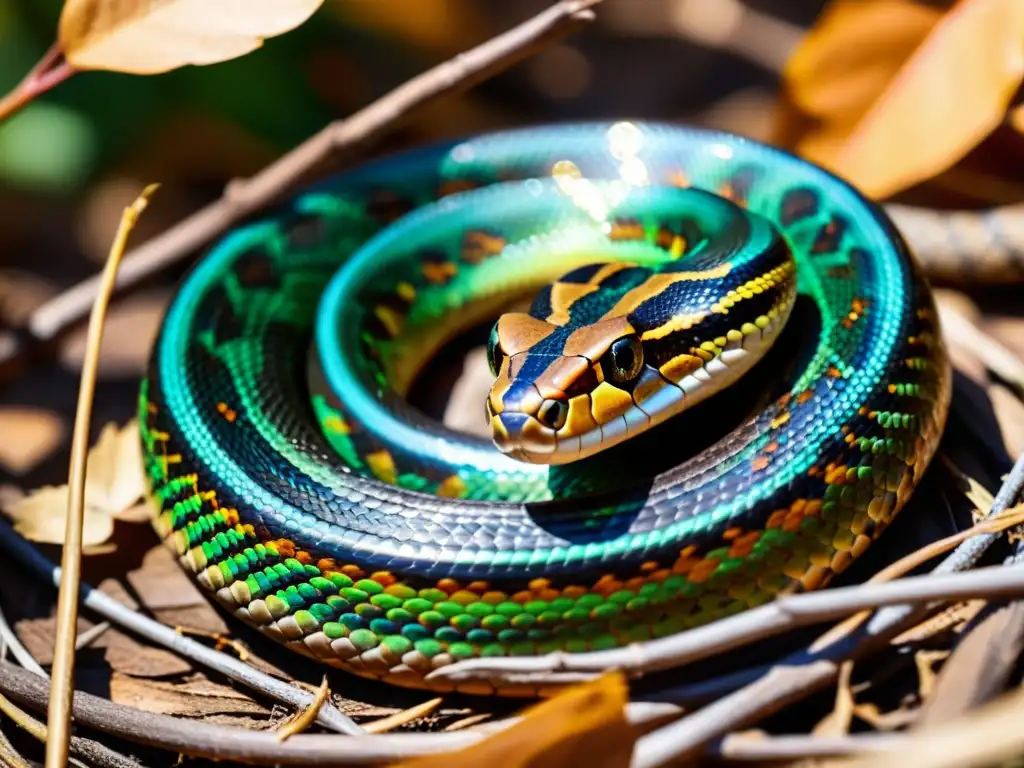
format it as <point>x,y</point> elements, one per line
<point>552,414</point>
<point>623,362</point>
<point>494,351</point>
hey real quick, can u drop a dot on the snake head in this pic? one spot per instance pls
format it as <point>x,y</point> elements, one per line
<point>564,391</point>
<point>560,396</point>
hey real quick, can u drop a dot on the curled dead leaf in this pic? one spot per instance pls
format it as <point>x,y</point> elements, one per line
<point>149,36</point>
<point>114,483</point>
<point>583,725</point>
<point>887,93</point>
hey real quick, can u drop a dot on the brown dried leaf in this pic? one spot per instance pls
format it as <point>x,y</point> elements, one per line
<point>29,436</point>
<point>129,657</point>
<point>149,36</point>
<point>161,583</point>
<point>849,57</point>
<point>114,483</point>
<point>584,725</point>
<point>890,94</point>
<point>200,618</point>
<point>195,697</point>
<point>37,636</point>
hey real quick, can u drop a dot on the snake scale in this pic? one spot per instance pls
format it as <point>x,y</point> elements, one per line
<point>667,266</point>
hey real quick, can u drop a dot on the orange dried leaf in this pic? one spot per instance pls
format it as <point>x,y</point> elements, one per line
<point>887,93</point>
<point>148,36</point>
<point>584,725</point>
<point>852,53</point>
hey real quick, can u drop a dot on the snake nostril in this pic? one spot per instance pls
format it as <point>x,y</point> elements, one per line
<point>552,413</point>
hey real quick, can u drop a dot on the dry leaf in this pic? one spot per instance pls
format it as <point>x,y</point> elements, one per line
<point>196,697</point>
<point>29,436</point>
<point>584,725</point>
<point>130,657</point>
<point>149,36</point>
<point>849,57</point>
<point>114,483</point>
<point>885,121</point>
<point>160,583</point>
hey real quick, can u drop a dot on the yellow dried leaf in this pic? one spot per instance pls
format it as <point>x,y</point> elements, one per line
<point>852,53</point>
<point>113,484</point>
<point>40,517</point>
<point>884,121</point>
<point>114,475</point>
<point>149,36</point>
<point>584,725</point>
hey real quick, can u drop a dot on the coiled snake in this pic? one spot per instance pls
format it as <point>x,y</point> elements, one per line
<point>291,476</point>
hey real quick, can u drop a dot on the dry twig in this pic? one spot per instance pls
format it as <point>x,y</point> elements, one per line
<point>391,722</point>
<point>140,624</point>
<point>306,717</point>
<point>63,681</point>
<point>343,139</point>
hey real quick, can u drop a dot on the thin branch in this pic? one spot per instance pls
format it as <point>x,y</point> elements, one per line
<point>747,747</point>
<point>804,672</point>
<point>347,138</point>
<point>989,735</point>
<point>9,756</point>
<point>202,739</point>
<point>306,717</point>
<point>63,681</point>
<point>92,752</point>
<point>87,750</point>
<point>965,246</point>
<point>143,626</point>
<point>50,71</point>
<point>18,651</point>
<point>959,330</point>
<point>398,719</point>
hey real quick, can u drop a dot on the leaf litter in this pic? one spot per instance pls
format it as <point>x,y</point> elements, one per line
<point>114,486</point>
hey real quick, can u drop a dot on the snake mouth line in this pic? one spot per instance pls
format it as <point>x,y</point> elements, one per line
<point>523,437</point>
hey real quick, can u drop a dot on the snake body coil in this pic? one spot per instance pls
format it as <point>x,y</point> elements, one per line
<point>292,478</point>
